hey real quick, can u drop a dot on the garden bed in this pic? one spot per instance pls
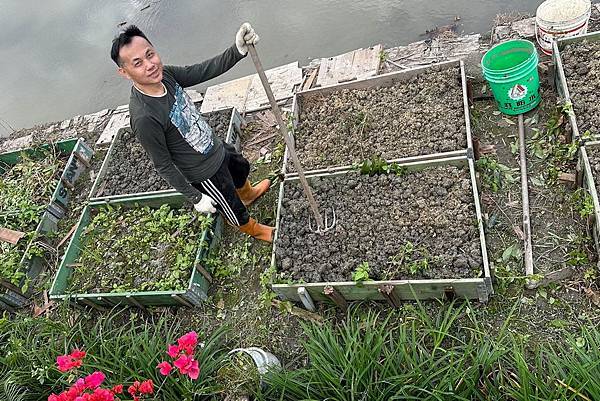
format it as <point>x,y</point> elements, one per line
<point>128,170</point>
<point>589,164</point>
<point>420,225</point>
<point>578,79</point>
<point>144,250</point>
<point>409,113</point>
<point>34,184</point>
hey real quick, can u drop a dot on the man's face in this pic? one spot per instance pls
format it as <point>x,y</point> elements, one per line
<point>140,62</point>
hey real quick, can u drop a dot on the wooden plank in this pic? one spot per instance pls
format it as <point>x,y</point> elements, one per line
<point>10,236</point>
<point>246,94</point>
<point>353,65</point>
<point>330,292</point>
<point>310,81</point>
<point>466,288</point>
<point>527,247</point>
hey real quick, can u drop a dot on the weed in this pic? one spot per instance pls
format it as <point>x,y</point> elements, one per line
<point>377,165</point>
<point>361,273</point>
<point>409,260</point>
<point>494,175</point>
<point>583,202</point>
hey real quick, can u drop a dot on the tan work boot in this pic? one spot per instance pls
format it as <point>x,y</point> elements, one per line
<point>249,193</point>
<point>257,230</point>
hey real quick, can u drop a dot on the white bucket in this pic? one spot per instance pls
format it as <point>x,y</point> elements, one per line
<point>556,19</point>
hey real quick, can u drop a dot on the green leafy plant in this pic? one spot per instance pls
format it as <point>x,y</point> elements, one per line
<point>494,175</point>
<point>410,260</point>
<point>361,273</point>
<point>376,165</point>
<point>25,191</point>
<point>138,249</point>
<point>583,202</point>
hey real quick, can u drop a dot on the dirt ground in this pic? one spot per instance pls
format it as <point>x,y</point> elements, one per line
<point>423,115</point>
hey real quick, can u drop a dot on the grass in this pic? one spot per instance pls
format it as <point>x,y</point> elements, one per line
<point>413,354</point>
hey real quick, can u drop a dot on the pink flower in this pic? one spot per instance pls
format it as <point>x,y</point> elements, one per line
<point>165,368</point>
<point>70,361</point>
<point>94,380</point>
<point>187,366</point>
<point>118,389</point>
<point>188,342</point>
<point>183,363</point>
<point>173,351</point>
<point>147,387</point>
<point>194,370</point>
<point>133,389</point>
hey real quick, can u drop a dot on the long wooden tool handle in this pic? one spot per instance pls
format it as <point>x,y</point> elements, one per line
<point>288,140</point>
<point>528,251</point>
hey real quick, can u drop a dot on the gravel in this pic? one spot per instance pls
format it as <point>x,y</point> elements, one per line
<point>423,115</point>
<point>131,171</point>
<point>378,218</point>
<point>581,63</point>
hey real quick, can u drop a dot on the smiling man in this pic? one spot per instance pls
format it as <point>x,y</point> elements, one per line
<point>179,141</point>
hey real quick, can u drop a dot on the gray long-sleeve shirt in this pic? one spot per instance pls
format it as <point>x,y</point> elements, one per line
<point>176,137</point>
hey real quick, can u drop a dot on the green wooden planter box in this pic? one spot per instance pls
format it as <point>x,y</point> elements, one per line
<point>560,78</point>
<point>193,295</point>
<point>232,137</point>
<point>80,153</point>
<point>393,291</point>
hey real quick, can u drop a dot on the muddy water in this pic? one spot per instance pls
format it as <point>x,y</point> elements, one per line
<point>55,55</point>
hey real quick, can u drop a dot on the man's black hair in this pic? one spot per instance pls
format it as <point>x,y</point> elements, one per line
<point>124,39</point>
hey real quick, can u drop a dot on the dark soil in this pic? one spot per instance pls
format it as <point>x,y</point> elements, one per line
<point>131,170</point>
<point>582,68</point>
<point>391,222</point>
<point>420,116</point>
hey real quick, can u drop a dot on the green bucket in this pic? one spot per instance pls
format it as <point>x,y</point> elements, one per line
<point>511,70</point>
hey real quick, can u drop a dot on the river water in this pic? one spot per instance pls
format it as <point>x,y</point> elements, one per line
<point>55,54</point>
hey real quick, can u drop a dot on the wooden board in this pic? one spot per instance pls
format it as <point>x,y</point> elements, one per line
<point>354,65</point>
<point>589,185</point>
<point>474,288</point>
<point>246,94</point>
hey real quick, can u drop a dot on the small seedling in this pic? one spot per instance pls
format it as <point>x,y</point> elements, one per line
<point>583,203</point>
<point>494,175</point>
<point>376,165</point>
<point>361,273</point>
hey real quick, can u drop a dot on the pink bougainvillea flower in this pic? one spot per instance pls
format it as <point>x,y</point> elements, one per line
<point>194,370</point>
<point>173,351</point>
<point>165,368</point>
<point>94,380</point>
<point>118,389</point>
<point>70,361</point>
<point>133,389</point>
<point>188,342</point>
<point>147,387</point>
<point>183,363</point>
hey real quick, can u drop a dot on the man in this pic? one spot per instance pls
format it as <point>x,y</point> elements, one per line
<point>178,140</point>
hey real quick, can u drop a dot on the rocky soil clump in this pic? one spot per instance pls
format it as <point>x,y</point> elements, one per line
<point>423,115</point>
<point>421,224</point>
<point>131,170</point>
<point>581,63</point>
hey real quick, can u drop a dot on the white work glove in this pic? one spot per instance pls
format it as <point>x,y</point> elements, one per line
<point>245,36</point>
<point>206,205</point>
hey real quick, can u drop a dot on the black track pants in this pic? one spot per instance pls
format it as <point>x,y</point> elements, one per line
<point>232,174</point>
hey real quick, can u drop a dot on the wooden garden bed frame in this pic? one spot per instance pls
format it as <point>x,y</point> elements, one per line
<point>394,290</point>
<point>584,168</point>
<point>560,78</point>
<point>384,80</point>
<point>198,284</point>
<point>80,155</point>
